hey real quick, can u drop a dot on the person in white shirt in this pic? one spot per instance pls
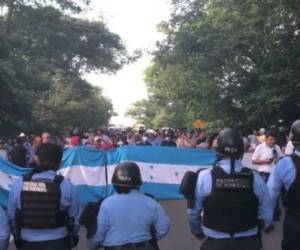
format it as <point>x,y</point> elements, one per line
<point>266,155</point>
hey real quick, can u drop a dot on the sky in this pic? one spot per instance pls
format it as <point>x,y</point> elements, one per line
<point>135,21</point>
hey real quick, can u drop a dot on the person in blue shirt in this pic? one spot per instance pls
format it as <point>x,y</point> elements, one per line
<point>232,199</point>
<point>43,208</point>
<point>4,230</point>
<point>129,219</point>
<point>286,174</point>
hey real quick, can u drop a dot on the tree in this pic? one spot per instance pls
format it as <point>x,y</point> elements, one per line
<point>44,46</point>
<point>233,63</point>
<point>67,105</point>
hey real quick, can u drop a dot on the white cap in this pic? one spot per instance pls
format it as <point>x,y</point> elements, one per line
<point>22,134</point>
<point>151,132</point>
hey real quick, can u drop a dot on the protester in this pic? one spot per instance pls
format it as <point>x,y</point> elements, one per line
<point>130,137</point>
<point>143,141</point>
<point>46,137</point>
<point>18,153</point>
<point>266,154</point>
<point>97,142</point>
<point>35,147</point>
<point>9,145</point>
<point>106,142</point>
<point>186,140</point>
<point>168,140</point>
<point>261,135</point>
<point>253,141</point>
<point>200,138</point>
<point>153,137</point>
<point>75,139</point>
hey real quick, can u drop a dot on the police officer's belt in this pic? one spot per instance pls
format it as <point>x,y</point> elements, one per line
<point>233,238</point>
<point>130,246</point>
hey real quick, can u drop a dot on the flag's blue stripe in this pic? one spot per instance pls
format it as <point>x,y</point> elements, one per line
<point>84,156</point>
<point>161,155</point>
<point>12,169</point>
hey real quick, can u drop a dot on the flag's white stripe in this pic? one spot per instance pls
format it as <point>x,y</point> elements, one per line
<point>83,175</point>
<point>93,176</point>
<point>160,173</point>
<point>6,180</point>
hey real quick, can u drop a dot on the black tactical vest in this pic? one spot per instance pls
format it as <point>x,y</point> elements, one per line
<point>293,194</point>
<point>40,204</point>
<point>232,205</point>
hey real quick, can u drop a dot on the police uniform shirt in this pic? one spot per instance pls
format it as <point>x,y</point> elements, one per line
<point>4,230</point>
<point>204,188</point>
<point>283,174</point>
<point>69,202</point>
<point>127,218</point>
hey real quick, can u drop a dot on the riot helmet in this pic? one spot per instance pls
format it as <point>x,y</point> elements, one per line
<point>295,133</point>
<point>230,144</point>
<point>127,174</point>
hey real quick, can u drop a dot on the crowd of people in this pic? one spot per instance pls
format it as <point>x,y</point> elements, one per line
<point>22,150</point>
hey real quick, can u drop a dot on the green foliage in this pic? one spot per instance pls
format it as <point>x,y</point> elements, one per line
<point>44,51</point>
<point>154,115</point>
<point>72,104</point>
<point>232,63</point>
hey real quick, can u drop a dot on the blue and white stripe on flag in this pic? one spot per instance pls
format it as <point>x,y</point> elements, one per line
<point>85,167</point>
<point>8,173</point>
<point>162,168</point>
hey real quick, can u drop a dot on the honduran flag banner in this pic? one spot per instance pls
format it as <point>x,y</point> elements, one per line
<point>91,170</point>
<point>162,168</point>
<point>85,167</point>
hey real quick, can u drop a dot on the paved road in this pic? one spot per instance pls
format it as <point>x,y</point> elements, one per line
<point>179,238</point>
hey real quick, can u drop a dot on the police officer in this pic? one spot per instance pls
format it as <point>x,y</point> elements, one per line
<point>126,219</point>
<point>232,198</point>
<point>286,174</point>
<point>43,208</point>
